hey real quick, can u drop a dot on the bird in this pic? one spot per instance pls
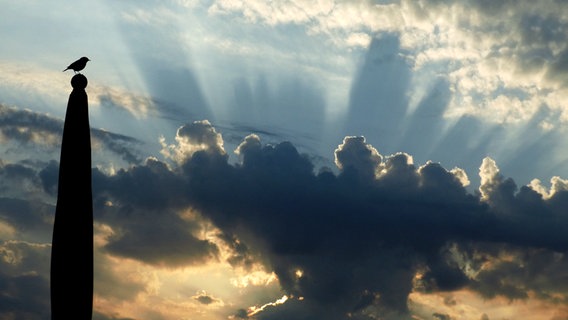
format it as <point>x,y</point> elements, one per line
<point>78,65</point>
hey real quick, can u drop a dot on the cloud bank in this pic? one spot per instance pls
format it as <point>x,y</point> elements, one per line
<point>352,244</point>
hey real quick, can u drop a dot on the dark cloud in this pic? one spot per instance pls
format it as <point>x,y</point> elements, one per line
<point>23,297</point>
<point>558,69</point>
<point>541,32</point>
<point>24,286</point>
<point>31,219</point>
<point>17,173</point>
<point>147,225</point>
<point>450,301</point>
<point>27,127</point>
<point>441,316</point>
<point>123,146</point>
<point>23,204</point>
<point>206,299</point>
<point>356,238</point>
<point>349,243</point>
<point>520,273</point>
<point>241,314</point>
<point>34,129</point>
<point>157,187</point>
<point>158,238</point>
<point>491,7</point>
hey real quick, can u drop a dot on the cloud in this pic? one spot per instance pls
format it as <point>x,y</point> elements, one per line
<point>193,137</point>
<point>160,244</point>
<point>351,242</point>
<point>440,316</point>
<point>355,154</point>
<point>327,225</point>
<point>484,58</point>
<point>121,145</point>
<point>380,215</point>
<point>25,211</point>
<point>136,234</point>
<point>24,283</point>
<point>21,127</point>
<point>206,299</point>
<point>138,106</point>
<point>27,126</point>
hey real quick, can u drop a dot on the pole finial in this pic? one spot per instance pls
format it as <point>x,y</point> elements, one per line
<point>79,81</point>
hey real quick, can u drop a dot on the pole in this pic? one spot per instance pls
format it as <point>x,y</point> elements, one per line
<point>72,244</point>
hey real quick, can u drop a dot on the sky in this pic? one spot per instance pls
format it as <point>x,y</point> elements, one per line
<point>294,159</point>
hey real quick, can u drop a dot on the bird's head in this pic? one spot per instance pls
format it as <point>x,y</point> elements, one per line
<point>85,59</point>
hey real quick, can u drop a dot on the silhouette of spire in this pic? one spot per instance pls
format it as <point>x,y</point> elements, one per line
<point>72,244</point>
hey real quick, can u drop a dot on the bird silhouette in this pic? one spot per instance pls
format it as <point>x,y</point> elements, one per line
<point>78,65</point>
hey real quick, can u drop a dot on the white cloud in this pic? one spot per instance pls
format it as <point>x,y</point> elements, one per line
<point>190,138</point>
<point>274,13</point>
<point>358,39</point>
<point>139,106</point>
<point>254,310</point>
<point>490,177</point>
<point>356,154</point>
<point>481,54</point>
<point>461,175</point>
<point>557,184</point>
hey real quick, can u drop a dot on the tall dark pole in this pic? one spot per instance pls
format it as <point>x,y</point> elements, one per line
<point>72,245</point>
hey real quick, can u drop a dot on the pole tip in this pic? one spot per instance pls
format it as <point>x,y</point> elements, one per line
<point>79,81</point>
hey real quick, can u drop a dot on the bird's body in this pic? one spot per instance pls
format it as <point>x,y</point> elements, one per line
<point>78,65</point>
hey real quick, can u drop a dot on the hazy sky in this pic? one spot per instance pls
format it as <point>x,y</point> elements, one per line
<point>295,159</point>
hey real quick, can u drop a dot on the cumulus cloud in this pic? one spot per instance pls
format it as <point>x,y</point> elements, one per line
<point>356,243</point>
<point>327,225</point>
<point>355,154</point>
<point>153,230</point>
<point>193,137</point>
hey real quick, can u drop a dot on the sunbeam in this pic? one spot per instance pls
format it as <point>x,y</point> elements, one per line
<point>294,159</point>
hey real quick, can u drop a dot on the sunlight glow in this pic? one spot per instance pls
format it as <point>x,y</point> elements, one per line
<point>255,310</point>
<point>254,278</point>
<point>7,231</point>
<point>466,305</point>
